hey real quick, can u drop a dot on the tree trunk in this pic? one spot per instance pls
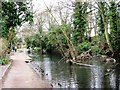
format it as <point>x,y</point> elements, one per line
<point>106,33</point>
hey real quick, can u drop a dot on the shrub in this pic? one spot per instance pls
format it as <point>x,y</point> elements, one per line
<point>96,50</point>
<point>97,45</point>
<point>4,60</point>
<point>3,46</point>
<point>84,46</point>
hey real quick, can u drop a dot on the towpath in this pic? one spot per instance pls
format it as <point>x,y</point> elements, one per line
<point>21,75</point>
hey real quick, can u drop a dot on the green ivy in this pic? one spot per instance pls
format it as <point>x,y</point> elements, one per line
<point>14,14</point>
<point>79,21</point>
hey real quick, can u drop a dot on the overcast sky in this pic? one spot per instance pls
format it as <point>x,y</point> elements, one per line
<point>40,4</point>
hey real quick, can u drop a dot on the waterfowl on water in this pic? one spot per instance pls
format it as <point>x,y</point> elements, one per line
<point>59,84</point>
<point>51,85</point>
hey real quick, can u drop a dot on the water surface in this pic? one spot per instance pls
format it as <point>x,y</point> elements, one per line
<point>63,75</point>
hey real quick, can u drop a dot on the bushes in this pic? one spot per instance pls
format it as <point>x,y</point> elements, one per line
<point>95,48</point>
<point>4,60</point>
<point>3,46</point>
<point>84,46</point>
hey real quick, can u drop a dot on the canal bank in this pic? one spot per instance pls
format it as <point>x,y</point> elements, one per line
<point>21,75</point>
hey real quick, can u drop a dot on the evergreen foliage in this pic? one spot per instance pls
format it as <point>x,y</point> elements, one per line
<point>79,21</point>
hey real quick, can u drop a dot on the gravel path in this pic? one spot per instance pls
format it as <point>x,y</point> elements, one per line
<point>21,75</point>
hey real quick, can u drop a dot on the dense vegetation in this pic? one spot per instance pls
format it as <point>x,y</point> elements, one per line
<point>74,37</point>
<point>68,34</point>
<point>4,60</point>
<point>13,14</point>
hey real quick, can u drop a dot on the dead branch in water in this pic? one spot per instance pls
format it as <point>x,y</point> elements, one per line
<point>81,64</point>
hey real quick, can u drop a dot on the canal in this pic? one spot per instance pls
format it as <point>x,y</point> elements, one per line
<point>63,75</point>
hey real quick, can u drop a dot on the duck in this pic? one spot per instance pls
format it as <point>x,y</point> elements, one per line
<point>26,61</point>
<point>51,85</point>
<point>59,84</point>
<point>42,71</point>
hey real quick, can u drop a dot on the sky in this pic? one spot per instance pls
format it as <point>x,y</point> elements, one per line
<point>40,4</point>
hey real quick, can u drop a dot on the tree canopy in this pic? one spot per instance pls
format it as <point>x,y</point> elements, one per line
<point>15,14</point>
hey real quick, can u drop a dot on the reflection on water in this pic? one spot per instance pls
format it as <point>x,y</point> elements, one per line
<point>47,69</point>
<point>62,75</point>
<point>112,80</point>
<point>96,77</point>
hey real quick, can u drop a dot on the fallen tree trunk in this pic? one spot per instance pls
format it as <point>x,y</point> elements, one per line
<point>81,64</point>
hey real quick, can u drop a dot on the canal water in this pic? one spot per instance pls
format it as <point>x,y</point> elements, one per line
<point>63,75</point>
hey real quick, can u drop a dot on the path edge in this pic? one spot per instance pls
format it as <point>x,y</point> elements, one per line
<point>5,72</point>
